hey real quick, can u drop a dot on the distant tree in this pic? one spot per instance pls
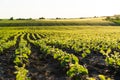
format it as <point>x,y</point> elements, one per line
<point>82,17</point>
<point>58,18</point>
<point>41,18</point>
<point>24,19</point>
<point>29,18</point>
<point>108,18</point>
<point>11,18</point>
<point>117,18</point>
<point>95,17</point>
<point>20,19</point>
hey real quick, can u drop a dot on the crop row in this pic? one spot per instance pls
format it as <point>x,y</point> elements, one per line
<point>21,59</point>
<point>60,46</point>
<point>5,45</point>
<point>68,61</point>
<point>109,48</point>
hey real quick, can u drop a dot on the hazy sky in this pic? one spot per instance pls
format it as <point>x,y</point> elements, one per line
<point>58,8</point>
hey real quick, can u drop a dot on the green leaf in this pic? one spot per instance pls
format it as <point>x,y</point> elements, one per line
<point>84,55</point>
<point>102,77</point>
<point>88,51</point>
<point>108,51</point>
<point>17,60</point>
<point>25,55</point>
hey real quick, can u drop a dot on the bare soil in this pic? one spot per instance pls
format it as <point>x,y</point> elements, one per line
<point>6,64</point>
<point>42,67</point>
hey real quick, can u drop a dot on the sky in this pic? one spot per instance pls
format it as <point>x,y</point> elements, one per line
<point>58,8</point>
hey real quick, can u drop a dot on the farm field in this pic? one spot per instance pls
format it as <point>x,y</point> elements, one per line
<point>57,22</point>
<point>60,53</point>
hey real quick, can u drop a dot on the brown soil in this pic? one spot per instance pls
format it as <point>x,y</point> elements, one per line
<point>6,64</point>
<point>95,63</point>
<point>43,67</point>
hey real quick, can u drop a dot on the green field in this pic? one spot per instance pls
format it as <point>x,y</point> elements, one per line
<point>57,22</point>
<point>87,50</point>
